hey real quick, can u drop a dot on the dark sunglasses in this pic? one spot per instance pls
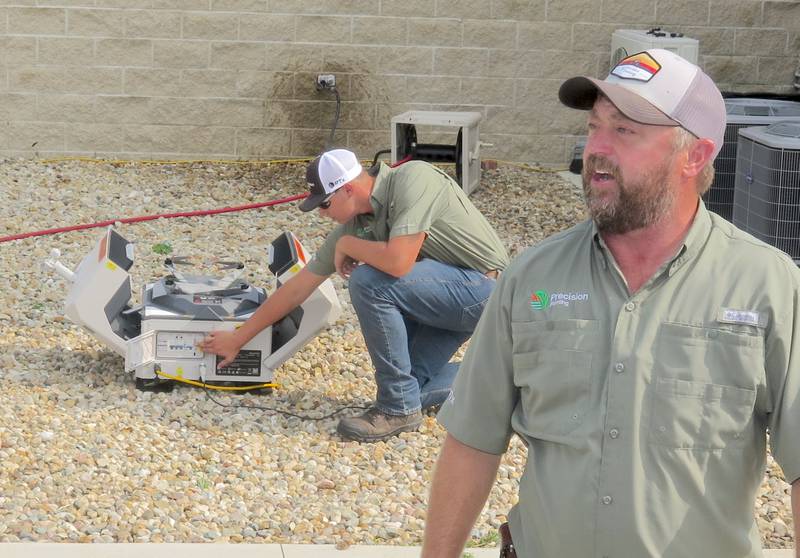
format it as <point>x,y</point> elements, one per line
<point>327,202</point>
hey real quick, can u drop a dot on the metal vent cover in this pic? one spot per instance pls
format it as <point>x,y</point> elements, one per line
<point>742,113</point>
<point>767,191</point>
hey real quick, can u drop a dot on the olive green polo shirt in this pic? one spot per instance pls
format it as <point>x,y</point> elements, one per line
<point>417,197</point>
<point>645,415</point>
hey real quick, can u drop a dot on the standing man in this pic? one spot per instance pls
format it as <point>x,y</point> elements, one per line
<point>421,262</point>
<point>641,355</point>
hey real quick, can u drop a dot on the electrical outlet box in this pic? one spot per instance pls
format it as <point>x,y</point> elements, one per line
<point>326,81</point>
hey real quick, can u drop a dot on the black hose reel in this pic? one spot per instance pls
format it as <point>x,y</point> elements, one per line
<point>407,146</point>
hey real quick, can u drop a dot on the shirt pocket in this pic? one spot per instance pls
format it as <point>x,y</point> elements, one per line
<point>555,388</point>
<point>705,386</point>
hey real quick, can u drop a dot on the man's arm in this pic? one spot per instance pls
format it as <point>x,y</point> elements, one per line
<point>461,483</point>
<point>288,297</point>
<point>395,257</point>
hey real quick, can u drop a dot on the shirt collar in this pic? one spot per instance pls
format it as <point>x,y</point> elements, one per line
<point>692,243</point>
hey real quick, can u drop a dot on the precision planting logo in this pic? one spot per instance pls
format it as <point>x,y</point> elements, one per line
<point>542,300</point>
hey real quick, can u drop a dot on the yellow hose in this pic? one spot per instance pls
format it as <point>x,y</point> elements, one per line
<point>161,374</point>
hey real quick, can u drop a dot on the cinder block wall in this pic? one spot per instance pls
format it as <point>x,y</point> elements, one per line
<point>235,78</point>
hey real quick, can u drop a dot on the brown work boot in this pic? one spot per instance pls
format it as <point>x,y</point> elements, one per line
<point>374,425</point>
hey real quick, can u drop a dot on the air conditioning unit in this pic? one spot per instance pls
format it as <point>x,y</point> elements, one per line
<point>625,42</point>
<point>742,113</point>
<point>766,200</point>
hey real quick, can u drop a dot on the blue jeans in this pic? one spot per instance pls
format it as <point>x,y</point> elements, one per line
<point>412,325</point>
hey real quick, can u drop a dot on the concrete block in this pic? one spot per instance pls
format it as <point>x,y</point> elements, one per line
<point>731,69</point>
<point>365,143</point>
<point>267,27</point>
<point>181,5</point>
<point>371,88</point>
<point>520,10</point>
<point>239,5</point>
<point>541,64</point>
<point>90,137</point>
<point>405,60</point>
<point>233,112</point>
<point>35,136</point>
<point>777,70</point>
<point>509,120</point>
<point>208,139</point>
<point>309,143</point>
<point>37,21</point>
<point>317,115</point>
<point>689,12</point>
<point>238,56</point>
<point>265,85</point>
<point>473,9</point>
<point>197,25</point>
<point>350,59</point>
<point>425,89</point>
<point>123,52</point>
<point>18,106</point>
<point>736,13</point>
<point>181,54</point>
<point>573,11</point>
<point>544,35</point>
<point>341,7</point>
<point>487,91</point>
<point>16,51</point>
<point>149,139</point>
<point>490,34</point>
<point>593,37</point>
<point>177,111</point>
<point>263,143</point>
<point>151,82</point>
<point>150,24</point>
<point>629,12</point>
<point>122,109</point>
<point>293,57</point>
<point>63,51</point>
<point>435,32</point>
<point>782,14</point>
<point>380,30</point>
<point>761,41</point>
<point>54,79</point>
<point>408,8</point>
<point>713,40</point>
<point>461,61</point>
<point>323,29</point>
<point>95,23</point>
<point>65,108</point>
<point>208,83</point>
<point>121,4</point>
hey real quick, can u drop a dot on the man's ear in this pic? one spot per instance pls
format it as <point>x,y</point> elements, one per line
<point>698,156</point>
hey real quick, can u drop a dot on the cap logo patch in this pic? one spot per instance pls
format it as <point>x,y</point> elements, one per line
<point>639,67</point>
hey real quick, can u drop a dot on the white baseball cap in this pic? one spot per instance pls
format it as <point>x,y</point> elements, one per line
<point>656,87</point>
<point>327,173</point>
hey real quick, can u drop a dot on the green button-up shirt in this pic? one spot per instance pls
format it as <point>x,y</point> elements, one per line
<point>417,197</point>
<point>645,416</point>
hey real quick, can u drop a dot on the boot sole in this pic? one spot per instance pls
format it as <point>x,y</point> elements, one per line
<point>344,433</point>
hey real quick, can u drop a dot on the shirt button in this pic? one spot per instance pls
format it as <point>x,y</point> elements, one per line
<point>629,306</point>
<point>614,433</point>
<point>606,500</point>
<point>619,367</point>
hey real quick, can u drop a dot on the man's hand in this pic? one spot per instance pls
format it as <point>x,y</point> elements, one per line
<point>223,343</point>
<point>344,263</point>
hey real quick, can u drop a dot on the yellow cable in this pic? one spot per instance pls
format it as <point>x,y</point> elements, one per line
<point>161,374</point>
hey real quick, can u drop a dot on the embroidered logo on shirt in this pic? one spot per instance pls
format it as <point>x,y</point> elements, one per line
<point>364,232</point>
<point>747,317</point>
<point>541,300</point>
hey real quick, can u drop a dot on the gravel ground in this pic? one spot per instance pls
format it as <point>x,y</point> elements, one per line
<point>85,457</point>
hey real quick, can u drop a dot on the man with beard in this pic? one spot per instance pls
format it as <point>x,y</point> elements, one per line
<point>641,356</point>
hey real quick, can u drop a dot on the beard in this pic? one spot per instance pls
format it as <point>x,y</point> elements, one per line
<point>631,206</point>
